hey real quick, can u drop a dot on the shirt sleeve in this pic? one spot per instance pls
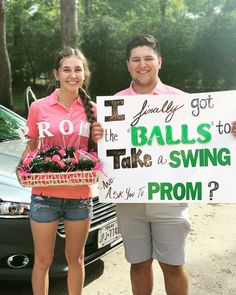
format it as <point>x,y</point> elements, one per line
<point>94,109</point>
<point>32,120</point>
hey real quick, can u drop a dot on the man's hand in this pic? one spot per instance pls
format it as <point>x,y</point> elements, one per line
<point>97,131</point>
<point>233,128</point>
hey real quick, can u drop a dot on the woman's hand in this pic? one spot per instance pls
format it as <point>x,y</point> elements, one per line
<point>32,144</point>
<point>18,176</point>
<point>97,131</point>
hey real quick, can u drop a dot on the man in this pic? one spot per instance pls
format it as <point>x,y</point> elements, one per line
<point>151,231</point>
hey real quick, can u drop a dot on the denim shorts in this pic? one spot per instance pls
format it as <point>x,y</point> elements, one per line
<point>48,209</point>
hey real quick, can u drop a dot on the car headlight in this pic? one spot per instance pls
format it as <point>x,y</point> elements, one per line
<point>13,208</point>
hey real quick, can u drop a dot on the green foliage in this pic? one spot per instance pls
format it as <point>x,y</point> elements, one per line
<point>214,52</point>
<point>198,40</point>
<point>32,33</point>
<point>66,161</point>
<point>192,35</point>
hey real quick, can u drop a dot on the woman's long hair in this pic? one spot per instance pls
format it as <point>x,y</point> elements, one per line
<point>83,92</point>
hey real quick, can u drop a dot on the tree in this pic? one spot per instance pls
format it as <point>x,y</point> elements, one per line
<point>33,34</point>
<point>197,37</point>
<point>5,68</point>
<point>69,27</point>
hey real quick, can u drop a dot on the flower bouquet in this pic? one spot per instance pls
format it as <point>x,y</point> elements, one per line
<point>55,165</point>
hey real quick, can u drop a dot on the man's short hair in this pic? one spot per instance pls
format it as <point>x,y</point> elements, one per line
<point>143,40</point>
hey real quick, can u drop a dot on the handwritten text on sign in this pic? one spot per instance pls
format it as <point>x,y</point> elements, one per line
<point>168,148</point>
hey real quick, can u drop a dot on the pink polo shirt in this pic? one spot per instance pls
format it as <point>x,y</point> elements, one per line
<point>50,111</point>
<point>160,88</point>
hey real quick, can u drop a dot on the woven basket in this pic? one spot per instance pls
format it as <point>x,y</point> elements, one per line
<point>63,178</point>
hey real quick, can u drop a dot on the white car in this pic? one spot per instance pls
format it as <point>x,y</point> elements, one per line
<point>16,247</point>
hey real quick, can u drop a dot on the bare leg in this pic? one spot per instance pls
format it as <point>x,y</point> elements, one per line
<point>176,279</point>
<point>76,236</point>
<point>142,278</point>
<point>44,236</point>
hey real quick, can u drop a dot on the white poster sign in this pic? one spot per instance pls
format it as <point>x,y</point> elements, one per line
<point>168,148</point>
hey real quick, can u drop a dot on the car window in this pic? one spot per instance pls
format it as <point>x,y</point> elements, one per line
<point>9,123</point>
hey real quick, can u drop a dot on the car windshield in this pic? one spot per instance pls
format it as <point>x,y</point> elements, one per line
<point>9,123</point>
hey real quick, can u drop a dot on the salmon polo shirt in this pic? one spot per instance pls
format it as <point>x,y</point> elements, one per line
<point>52,113</point>
<point>160,89</point>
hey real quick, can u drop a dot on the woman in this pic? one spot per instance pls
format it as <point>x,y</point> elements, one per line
<point>49,122</point>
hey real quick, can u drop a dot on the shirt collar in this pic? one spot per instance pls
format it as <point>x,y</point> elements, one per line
<point>155,91</point>
<point>53,99</point>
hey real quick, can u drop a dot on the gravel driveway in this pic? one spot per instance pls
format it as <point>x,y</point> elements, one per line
<point>211,261</point>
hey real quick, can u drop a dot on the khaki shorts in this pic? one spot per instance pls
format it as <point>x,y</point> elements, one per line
<point>154,231</point>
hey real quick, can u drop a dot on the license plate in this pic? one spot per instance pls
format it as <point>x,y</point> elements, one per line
<point>108,234</point>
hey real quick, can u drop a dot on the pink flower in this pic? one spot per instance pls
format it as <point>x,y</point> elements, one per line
<point>32,154</point>
<point>56,158</point>
<point>62,152</point>
<point>47,159</point>
<point>74,161</point>
<point>27,161</point>
<point>61,164</point>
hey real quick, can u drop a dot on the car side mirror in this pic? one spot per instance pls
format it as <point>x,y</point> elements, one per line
<point>29,97</point>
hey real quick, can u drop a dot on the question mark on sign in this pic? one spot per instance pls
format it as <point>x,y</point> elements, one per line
<point>215,187</point>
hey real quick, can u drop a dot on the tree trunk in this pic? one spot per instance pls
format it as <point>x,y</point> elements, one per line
<point>163,5</point>
<point>5,68</point>
<point>69,30</point>
<point>87,7</point>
